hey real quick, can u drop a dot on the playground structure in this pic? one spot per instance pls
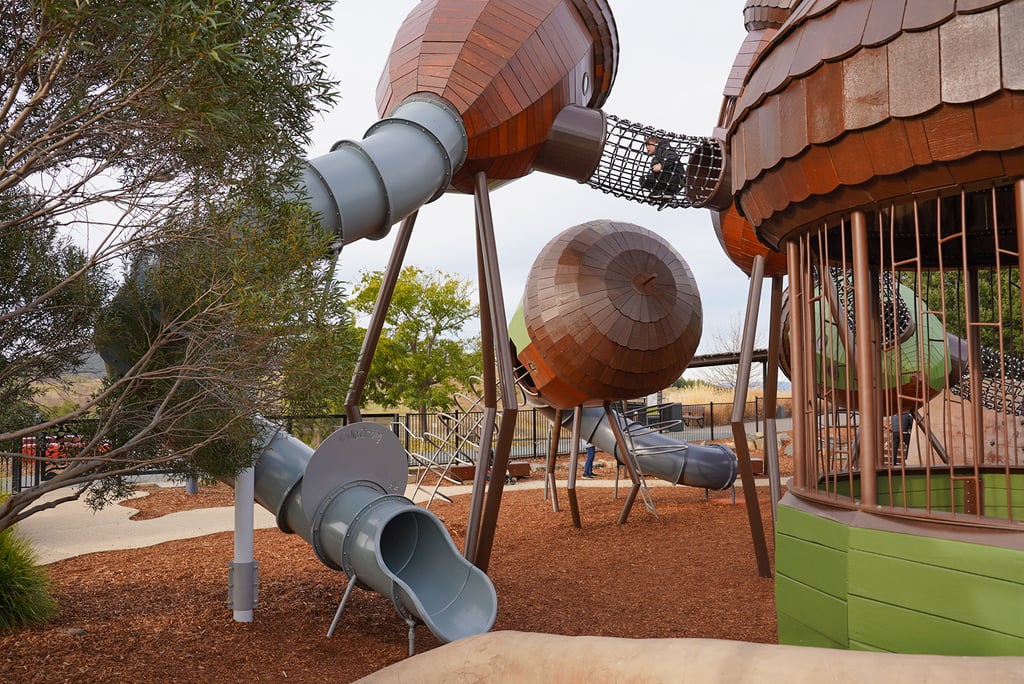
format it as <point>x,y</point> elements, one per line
<point>874,153</point>
<point>451,122</point>
<point>831,190</point>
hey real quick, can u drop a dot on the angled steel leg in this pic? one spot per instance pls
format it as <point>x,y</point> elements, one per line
<point>377,318</point>
<point>623,447</point>
<point>574,457</point>
<point>488,252</point>
<point>550,483</point>
<point>739,432</point>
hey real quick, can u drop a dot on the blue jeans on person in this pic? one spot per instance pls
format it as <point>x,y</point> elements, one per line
<point>588,465</point>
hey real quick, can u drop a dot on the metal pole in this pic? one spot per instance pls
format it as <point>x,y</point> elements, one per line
<point>574,455</point>
<point>490,412</point>
<point>503,356</point>
<point>739,432</point>
<point>771,386</point>
<point>243,578</point>
<point>377,318</point>
<point>866,349</point>
<point>801,383</point>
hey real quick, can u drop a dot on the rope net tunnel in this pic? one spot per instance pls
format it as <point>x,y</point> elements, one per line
<point>657,167</point>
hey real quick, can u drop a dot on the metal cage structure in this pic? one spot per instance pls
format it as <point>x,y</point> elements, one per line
<point>906,343</point>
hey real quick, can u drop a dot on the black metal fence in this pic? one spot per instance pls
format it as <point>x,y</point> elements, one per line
<point>434,437</point>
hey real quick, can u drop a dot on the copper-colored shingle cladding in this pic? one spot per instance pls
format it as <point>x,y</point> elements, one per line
<point>762,19</point>
<point>508,68</point>
<point>612,312</point>
<point>859,101</point>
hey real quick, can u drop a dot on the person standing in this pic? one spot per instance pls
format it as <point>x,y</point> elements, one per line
<point>588,464</point>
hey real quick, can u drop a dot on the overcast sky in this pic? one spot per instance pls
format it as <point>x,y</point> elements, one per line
<point>673,62</point>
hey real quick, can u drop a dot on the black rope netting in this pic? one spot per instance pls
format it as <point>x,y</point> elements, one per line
<point>656,167</point>
<point>1002,383</point>
<point>896,325</point>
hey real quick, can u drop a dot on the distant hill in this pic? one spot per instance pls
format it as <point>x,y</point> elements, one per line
<point>92,368</point>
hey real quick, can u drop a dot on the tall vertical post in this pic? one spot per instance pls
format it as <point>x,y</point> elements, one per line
<point>771,391</point>
<point>867,348</point>
<point>800,381</point>
<point>242,573</point>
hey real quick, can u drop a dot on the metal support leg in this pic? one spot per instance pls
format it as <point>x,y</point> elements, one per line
<point>412,635</point>
<point>739,432</point>
<point>377,318</point>
<point>574,457</point>
<point>341,605</point>
<point>550,482</point>
<point>498,326</point>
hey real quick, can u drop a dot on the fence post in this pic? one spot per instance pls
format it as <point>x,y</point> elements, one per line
<point>757,417</point>
<point>534,425</point>
<point>711,418</point>
<point>422,430</point>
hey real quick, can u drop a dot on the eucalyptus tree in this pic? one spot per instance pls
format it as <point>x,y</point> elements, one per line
<point>163,139</point>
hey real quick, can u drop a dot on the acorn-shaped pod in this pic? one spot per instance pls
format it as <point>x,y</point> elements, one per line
<point>762,19</point>
<point>856,103</point>
<point>509,74</point>
<point>611,311</point>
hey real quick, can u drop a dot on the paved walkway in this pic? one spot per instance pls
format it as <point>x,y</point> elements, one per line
<point>72,529</point>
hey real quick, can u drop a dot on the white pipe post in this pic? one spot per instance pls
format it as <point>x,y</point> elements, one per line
<point>242,584</point>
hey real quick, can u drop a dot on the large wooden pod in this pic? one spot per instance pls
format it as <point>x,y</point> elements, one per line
<point>611,311</point>
<point>762,19</point>
<point>508,69</point>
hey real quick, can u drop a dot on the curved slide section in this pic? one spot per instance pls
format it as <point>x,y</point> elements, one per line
<point>712,467</point>
<point>360,189</point>
<point>341,499</point>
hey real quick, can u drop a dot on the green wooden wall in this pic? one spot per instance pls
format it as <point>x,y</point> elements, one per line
<point>851,587</point>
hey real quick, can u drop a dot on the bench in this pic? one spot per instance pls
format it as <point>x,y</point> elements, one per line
<point>465,471</point>
<point>693,419</point>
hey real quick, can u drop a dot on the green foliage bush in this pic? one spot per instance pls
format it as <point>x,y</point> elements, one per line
<point>24,585</point>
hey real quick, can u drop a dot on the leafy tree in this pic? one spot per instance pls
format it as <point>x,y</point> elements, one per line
<point>165,136</point>
<point>420,361</point>
<point>999,301</point>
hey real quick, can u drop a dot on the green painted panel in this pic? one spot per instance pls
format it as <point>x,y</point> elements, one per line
<point>891,628</point>
<point>912,491</point>
<point>815,610</point>
<point>967,598</point>
<point>978,559</point>
<point>795,633</point>
<point>811,528</point>
<point>821,567</point>
<point>858,646</point>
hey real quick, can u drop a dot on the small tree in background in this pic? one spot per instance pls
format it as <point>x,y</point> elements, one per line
<point>728,340</point>
<point>421,360</point>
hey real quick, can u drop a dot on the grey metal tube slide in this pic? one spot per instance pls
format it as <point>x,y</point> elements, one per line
<point>360,189</point>
<point>712,467</point>
<point>341,499</point>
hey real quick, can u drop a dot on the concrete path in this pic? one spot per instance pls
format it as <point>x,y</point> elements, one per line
<point>72,529</point>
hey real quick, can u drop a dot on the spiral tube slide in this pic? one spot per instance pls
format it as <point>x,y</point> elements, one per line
<point>360,189</point>
<point>341,499</point>
<point>711,467</point>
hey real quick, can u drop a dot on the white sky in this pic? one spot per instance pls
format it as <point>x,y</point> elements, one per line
<point>674,59</point>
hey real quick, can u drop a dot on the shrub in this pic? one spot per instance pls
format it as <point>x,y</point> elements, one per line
<point>24,585</point>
